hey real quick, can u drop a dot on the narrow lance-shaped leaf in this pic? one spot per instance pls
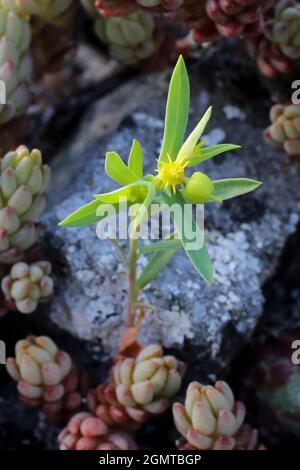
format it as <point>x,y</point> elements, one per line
<point>177,111</point>
<point>132,192</point>
<point>85,215</point>
<point>210,152</point>
<point>233,187</point>
<point>156,264</point>
<point>135,160</point>
<point>187,150</point>
<point>117,170</point>
<point>163,245</point>
<point>194,249</point>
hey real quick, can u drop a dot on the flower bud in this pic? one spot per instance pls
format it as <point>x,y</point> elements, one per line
<point>198,189</point>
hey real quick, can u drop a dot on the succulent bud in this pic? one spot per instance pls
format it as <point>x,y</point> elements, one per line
<point>210,418</point>
<point>23,180</point>
<point>46,376</point>
<point>86,432</point>
<point>28,285</point>
<point>285,128</point>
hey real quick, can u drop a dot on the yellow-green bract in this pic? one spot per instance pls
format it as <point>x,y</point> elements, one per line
<point>169,185</point>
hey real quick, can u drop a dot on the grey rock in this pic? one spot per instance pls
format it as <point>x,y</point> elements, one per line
<point>207,324</point>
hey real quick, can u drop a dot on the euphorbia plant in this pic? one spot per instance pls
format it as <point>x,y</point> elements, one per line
<point>170,186</point>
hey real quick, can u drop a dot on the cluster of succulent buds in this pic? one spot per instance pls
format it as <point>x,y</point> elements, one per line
<point>212,419</point>
<point>234,18</point>
<point>46,376</point>
<point>23,182</point>
<point>87,432</point>
<point>15,63</point>
<point>284,28</point>
<point>140,388</point>
<point>28,285</point>
<point>131,38</point>
<point>284,132</point>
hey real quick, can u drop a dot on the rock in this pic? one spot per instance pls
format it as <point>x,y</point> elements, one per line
<point>207,324</point>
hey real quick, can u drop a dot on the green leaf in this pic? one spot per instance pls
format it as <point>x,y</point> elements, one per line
<point>132,192</point>
<point>184,221</point>
<point>163,245</point>
<point>156,264</point>
<point>142,211</point>
<point>203,264</point>
<point>135,160</point>
<point>229,188</point>
<point>210,152</point>
<point>86,215</point>
<point>198,256</point>
<point>187,150</point>
<point>177,111</point>
<point>117,170</point>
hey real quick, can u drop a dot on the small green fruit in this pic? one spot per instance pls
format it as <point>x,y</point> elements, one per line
<point>198,189</point>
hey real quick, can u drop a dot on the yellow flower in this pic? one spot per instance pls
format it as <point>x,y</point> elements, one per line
<point>171,173</point>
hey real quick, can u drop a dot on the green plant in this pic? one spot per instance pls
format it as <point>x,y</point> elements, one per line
<point>167,189</point>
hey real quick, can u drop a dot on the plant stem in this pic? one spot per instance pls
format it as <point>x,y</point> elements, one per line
<point>133,287</point>
<point>121,252</point>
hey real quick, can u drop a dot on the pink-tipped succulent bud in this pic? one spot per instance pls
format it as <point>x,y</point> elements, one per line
<point>210,418</point>
<point>86,432</point>
<point>28,285</point>
<point>46,377</point>
<point>284,131</point>
<point>23,180</point>
<point>15,61</point>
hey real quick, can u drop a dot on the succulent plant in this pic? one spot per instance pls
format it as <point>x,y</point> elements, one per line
<point>23,182</point>
<point>49,10</point>
<point>207,18</point>
<point>28,285</point>
<point>140,387</point>
<point>46,376</point>
<point>272,384</point>
<point>212,419</point>
<point>130,38</point>
<point>15,63</point>
<point>285,128</point>
<point>284,28</point>
<point>268,56</point>
<point>237,17</point>
<point>86,432</point>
